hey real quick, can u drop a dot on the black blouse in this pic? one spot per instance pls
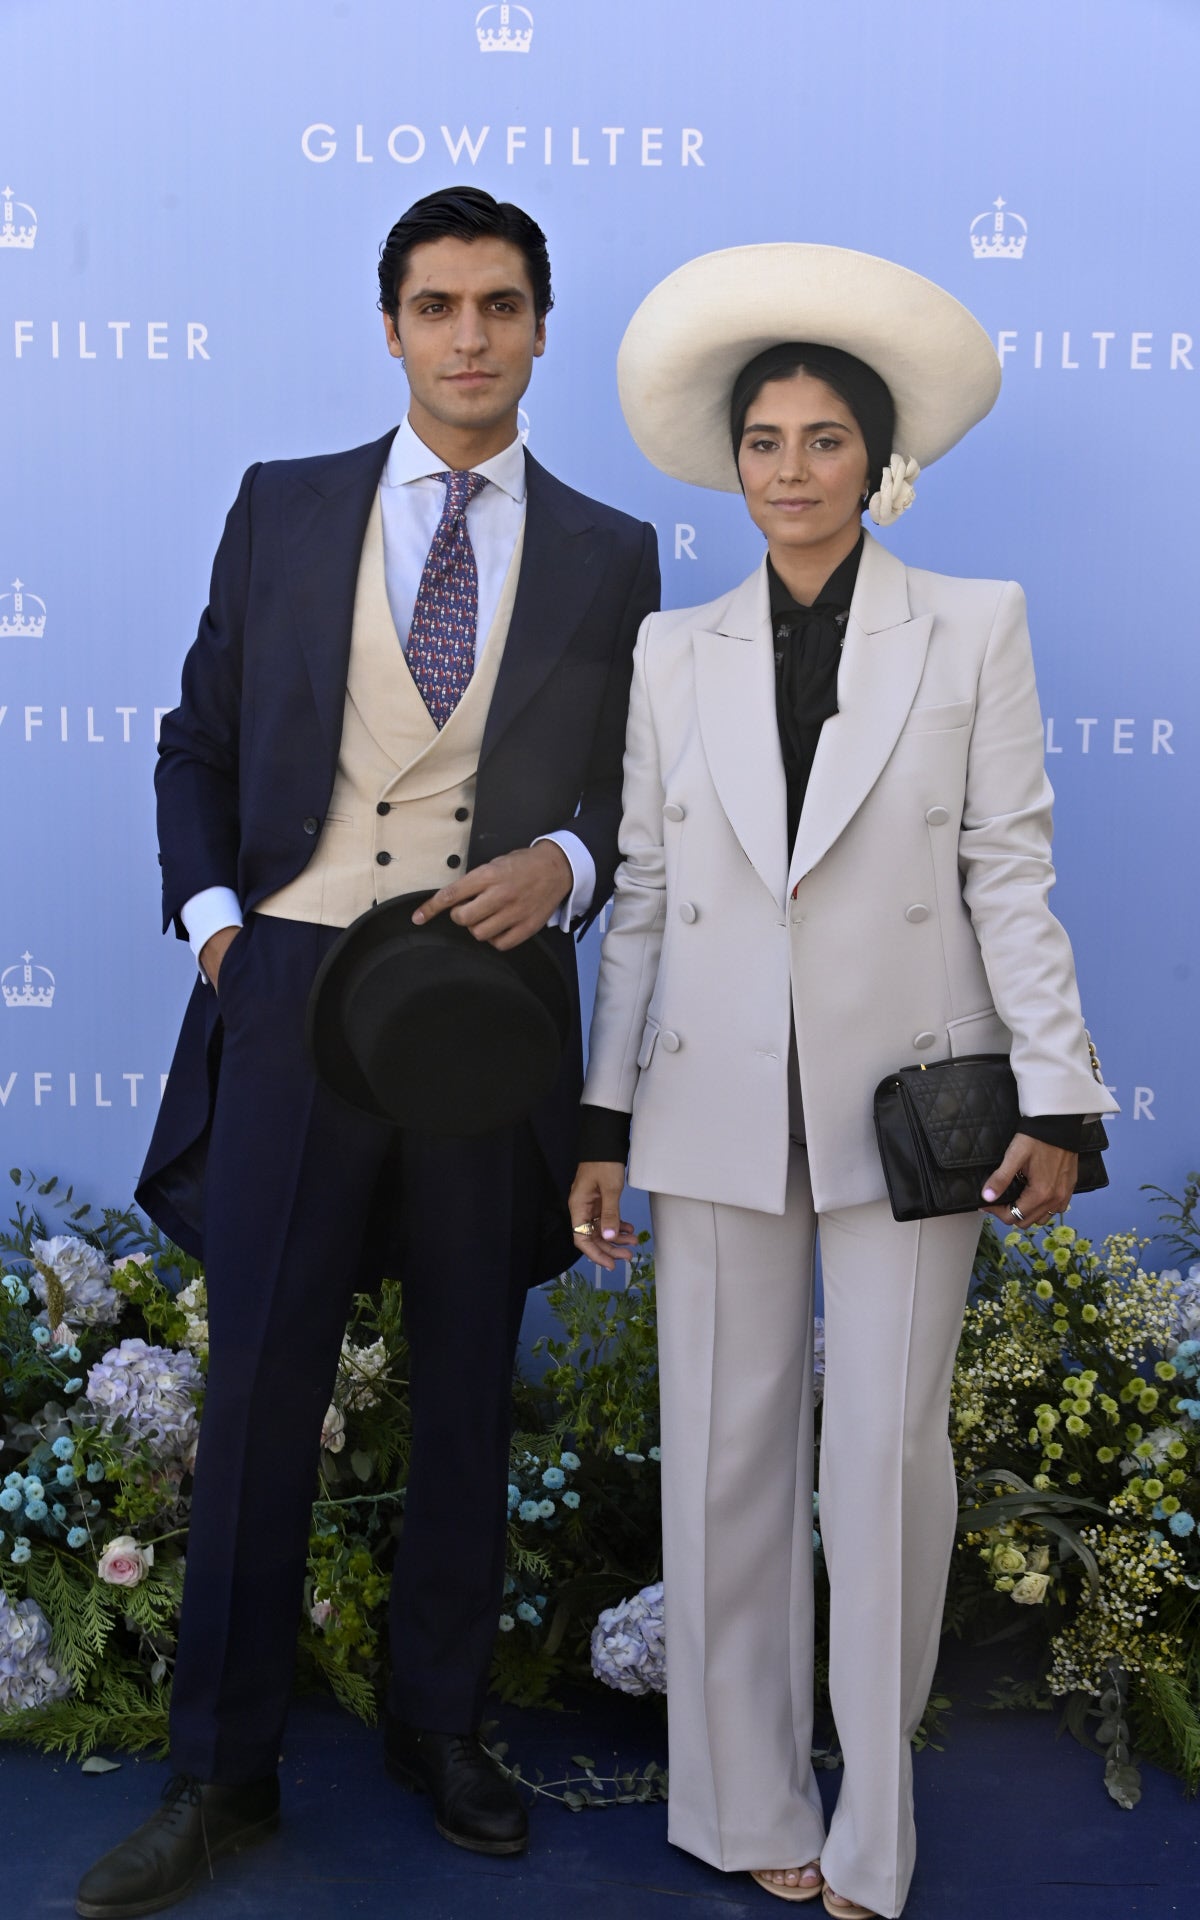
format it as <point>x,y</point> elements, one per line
<point>808,650</point>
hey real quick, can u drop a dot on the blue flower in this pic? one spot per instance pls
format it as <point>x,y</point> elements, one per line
<point>570,1498</point>
<point>545,1509</point>
<point>570,1461</point>
<point>506,1623</point>
<point>14,1480</point>
<point>529,1614</point>
<point>33,1487</point>
<point>655,1453</point>
<point>65,1476</point>
<point>637,1458</point>
<point>514,1496</point>
<point>816,1503</point>
<point>1182,1523</point>
<point>528,1510</point>
<point>41,1335</point>
<point>63,1447</point>
<point>15,1287</point>
<point>58,1510</point>
<point>36,1510</point>
<point>74,1353</point>
<point>22,1551</point>
<point>1186,1350</point>
<point>539,1599</point>
<point>816,1541</point>
<point>73,1386</point>
<point>95,1471</point>
<point>77,1537</point>
<point>554,1478</point>
<point>11,1499</point>
<point>1191,1408</point>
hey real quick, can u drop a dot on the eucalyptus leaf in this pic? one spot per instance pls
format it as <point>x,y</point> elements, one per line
<point>1124,1783</point>
<point>361,1464</point>
<point>96,1763</point>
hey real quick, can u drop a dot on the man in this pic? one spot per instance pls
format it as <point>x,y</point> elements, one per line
<point>412,673</point>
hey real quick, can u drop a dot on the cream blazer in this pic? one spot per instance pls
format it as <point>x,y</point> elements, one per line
<point>910,924</point>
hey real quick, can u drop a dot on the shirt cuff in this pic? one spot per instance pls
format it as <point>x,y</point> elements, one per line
<point>206,913</point>
<point>1063,1130</point>
<point>603,1134</point>
<point>583,880</point>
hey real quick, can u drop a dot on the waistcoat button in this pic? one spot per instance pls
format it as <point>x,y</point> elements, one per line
<point>673,811</point>
<point>383,806</point>
<point>918,911</point>
<point>454,860</point>
<point>383,859</point>
<point>311,824</point>
<point>937,816</point>
<point>923,1040</point>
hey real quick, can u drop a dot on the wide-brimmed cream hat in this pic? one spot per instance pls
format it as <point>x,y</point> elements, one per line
<point>696,330</point>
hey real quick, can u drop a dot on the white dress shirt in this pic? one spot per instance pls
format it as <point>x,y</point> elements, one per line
<point>411,501</point>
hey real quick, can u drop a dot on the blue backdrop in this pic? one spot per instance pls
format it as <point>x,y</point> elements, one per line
<point>194,198</point>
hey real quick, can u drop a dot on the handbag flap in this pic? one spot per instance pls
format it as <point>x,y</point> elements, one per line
<point>967,1108</point>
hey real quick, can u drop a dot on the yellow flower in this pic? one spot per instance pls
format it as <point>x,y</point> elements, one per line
<point>1165,1370</point>
<point>1106,1455</point>
<point>1075,1424</point>
<point>1008,1559</point>
<point>1153,1489</point>
<point>1041,1481</point>
<point>1148,1400</point>
<point>1053,1450</point>
<point>1044,1290</point>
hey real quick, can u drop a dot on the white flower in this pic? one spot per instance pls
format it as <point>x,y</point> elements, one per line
<point>123,1563</point>
<point>26,1677</point>
<point>896,493</point>
<point>333,1430</point>
<point>321,1612</point>
<point>192,1302</point>
<point>84,1276</point>
<point>1030,1589</point>
<point>150,1392</point>
<point>359,1371</point>
<point>629,1648</point>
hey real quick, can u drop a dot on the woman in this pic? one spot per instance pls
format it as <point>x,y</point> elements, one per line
<point>836,857</point>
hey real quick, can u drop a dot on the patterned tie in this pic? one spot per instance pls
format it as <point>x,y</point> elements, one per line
<point>441,639</point>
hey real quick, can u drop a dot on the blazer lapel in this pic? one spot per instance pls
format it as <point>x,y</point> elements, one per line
<point>735,699</point>
<point>882,661</point>
<point>562,566</point>
<point>326,526</point>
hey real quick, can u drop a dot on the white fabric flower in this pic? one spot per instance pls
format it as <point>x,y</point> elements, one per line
<point>896,493</point>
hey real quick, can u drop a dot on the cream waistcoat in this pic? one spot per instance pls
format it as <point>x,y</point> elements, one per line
<point>400,813</point>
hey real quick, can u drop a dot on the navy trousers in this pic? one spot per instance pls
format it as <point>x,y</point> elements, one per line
<point>294,1179</point>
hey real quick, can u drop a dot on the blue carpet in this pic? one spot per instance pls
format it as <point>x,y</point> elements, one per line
<point>1014,1825</point>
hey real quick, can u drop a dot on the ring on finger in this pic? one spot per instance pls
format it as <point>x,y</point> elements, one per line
<point>586,1227</point>
<point>1017,1214</point>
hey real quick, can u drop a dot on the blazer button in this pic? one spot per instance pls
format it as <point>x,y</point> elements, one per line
<point>312,824</point>
<point>454,860</point>
<point>462,813</point>
<point>917,912</point>
<point>383,859</point>
<point>687,912</point>
<point>937,816</point>
<point>924,1040</point>
<point>383,806</point>
<point>673,810</point>
<point>671,1042</point>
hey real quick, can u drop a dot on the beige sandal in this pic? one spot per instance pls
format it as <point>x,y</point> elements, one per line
<point>843,1909</point>
<point>797,1892</point>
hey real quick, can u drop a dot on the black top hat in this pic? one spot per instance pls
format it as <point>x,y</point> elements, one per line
<point>428,1027</point>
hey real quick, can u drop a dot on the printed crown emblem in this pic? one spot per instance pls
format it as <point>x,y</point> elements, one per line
<point>22,615</point>
<point>24,985</point>
<point>504,29</point>
<point>998,235</point>
<point>18,224</point>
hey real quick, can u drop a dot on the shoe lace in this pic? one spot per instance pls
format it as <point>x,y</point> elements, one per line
<point>184,1790</point>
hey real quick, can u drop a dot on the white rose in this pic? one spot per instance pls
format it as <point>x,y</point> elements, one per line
<point>123,1563</point>
<point>333,1430</point>
<point>1030,1589</point>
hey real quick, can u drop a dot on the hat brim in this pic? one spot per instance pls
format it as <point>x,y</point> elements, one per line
<point>696,330</point>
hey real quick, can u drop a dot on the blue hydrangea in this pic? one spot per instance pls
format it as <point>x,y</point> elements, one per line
<point>570,1498</point>
<point>554,1478</point>
<point>529,1614</point>
<point>65,1476</point>
<point>26,1677</point>
<point>545,1509</point>
<point>63,1447</point>
<point>22,1551</point>
<point>1182,1523</point>
<point>77,1538</point>
<point>148,1393</point>
<point>570,1461</point>
<point>36,1510</point>
<point>528,1510</point>
<point>95,1471</point>
<point>11,1499</point>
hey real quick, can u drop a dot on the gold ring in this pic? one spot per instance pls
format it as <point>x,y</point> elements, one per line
<point>585,1226</point>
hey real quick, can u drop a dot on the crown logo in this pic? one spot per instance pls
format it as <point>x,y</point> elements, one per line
<point>22,615</point>
<point>1000,235</point>
<point>24,985</point>
<point>15,231</point>
<point>497,31</point>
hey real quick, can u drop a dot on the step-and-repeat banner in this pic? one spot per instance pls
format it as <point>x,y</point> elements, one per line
<point>193,199</point>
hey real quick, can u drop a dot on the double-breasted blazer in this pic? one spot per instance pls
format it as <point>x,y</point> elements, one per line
<point>908,923</point>
<point>247,761</point>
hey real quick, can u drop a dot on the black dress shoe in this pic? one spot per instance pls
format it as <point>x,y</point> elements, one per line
<point>162,1861</point>
<point>473,1804</point>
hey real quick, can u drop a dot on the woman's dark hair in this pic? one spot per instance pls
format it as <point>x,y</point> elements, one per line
<point>853,381</point>
<point>463,213</point>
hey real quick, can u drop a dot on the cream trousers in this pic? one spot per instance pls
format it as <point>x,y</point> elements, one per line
<point>735,1311</point>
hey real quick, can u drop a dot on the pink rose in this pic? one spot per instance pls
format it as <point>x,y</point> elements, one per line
<point>123,1563</point>
<point>333,1430</point>
<point>321,1612</point>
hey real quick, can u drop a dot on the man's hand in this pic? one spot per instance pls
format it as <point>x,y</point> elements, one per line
<point>595,1208</point>
<point>1049,1174</point>
<point>509,899</point>
<point>214,950</point>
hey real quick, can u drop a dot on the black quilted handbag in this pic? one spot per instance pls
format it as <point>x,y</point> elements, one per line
<point>942,1129</point>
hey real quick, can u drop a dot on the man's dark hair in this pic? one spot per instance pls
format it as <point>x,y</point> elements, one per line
<point>463,213</point>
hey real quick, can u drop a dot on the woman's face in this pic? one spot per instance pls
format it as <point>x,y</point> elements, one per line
<point>803,463</point>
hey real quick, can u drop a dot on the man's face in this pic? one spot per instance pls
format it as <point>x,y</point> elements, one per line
<point>468,335</point>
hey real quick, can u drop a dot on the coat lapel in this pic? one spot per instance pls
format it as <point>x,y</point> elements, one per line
<point>326,525</point>
<point>562,566</point>
<point>735,699</point>
<point>882,661</point>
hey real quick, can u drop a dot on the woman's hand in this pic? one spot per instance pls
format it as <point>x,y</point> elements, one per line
<point>1049,1175</point>
<point>595,1203</point>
